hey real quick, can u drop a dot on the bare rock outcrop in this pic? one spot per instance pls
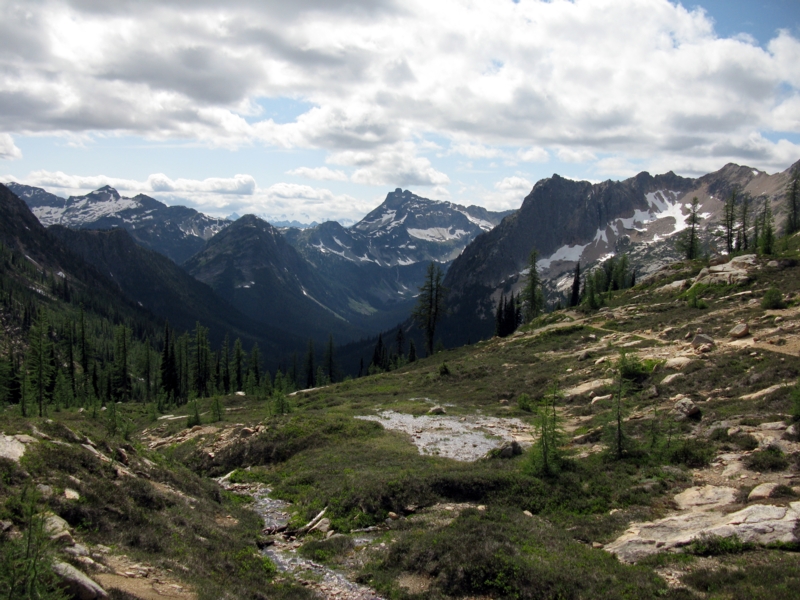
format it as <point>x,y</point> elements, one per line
<point>758,523</point>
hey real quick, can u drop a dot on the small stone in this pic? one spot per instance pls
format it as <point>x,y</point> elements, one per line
<point>481,507</point>
<point>527,513</point>
<point>583,355</point>
<point>77,583</point>
<point>651,392</point>
<point>702,339</point>
<point>739,331</point>
<point>597,545</point>
<point>597,399</point>
<point>71,494</point>
<point>678,363</point>
<point>686,407</point>
<point>393,516</point>
<point>438,410</point>
<point>670,378</point>
<point>773,264</point>
<point>45,490</point>
<point>122,456</point>
<point>502,401</point>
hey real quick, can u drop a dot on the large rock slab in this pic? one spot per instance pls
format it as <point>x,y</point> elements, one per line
<point>77,583</point>
<point>705,498</point>
<point>701,339</point>
<point>11,448</point>
<point>758,524</point>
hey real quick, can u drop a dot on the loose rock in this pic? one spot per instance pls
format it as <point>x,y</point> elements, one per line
<point>672,377</point>
<point>739,331</point>
<point>78,583</point>
<point>762,492</point>
<point>702,339</point>
<point>686,407</point>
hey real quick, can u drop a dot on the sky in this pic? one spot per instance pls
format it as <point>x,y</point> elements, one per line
<point>314,110</point>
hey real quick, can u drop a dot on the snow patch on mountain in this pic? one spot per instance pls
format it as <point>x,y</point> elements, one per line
<point>437,234</point>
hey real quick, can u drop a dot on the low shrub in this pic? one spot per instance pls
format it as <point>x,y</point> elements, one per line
<point>772,300</point>
<point>769,459</point>
<point>328,550</point>
<point>714,545</point>
<point>693,453</point>
<point>525,403</point>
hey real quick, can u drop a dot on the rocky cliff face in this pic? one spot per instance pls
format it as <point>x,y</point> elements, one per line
<point>575,221</point>
<point>175,231</point>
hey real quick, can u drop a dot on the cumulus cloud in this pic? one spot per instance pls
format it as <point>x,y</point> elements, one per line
<point>8,150</point>
<point>536,78</point>
<point>397,166</point>
<point>319,173</point>
<point>533,154</point>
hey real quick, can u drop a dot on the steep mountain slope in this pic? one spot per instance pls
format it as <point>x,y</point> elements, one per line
<point>159,285</point>
<point>570,221</point>
<point>174,231</point>
<point>21,231</point>
<point>253,267</point>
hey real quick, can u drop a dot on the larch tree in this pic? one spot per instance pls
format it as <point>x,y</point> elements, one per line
<point>430,306</point>
<point>532,296</point>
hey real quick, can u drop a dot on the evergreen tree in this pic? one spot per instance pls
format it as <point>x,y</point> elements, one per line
<point>499,317</point>
<point>510,316</point>
<point>728,221</point>
<point>329,359</point>
<point>379,355</point>
<point>168,377</point>
<point>255,363</point>
<point>120,378</point>
<point>400,338</point>
<point>39,365</point>
<point>430,306</point>
<point>412,351</point>
<point>744,223</point>
<point>532,296</point>
<point>310,365</point>
<point>767,237</point>
<point>575,298</point>
<point>238,366</point>
<point>793,202</point>
<point>689,242</point>
<point>225,367</point>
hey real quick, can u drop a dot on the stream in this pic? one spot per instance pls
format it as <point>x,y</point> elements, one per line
<point>326,582</point>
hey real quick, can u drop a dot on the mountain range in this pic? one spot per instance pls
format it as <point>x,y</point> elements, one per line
<point>177,232</point>
<point>354,282</point>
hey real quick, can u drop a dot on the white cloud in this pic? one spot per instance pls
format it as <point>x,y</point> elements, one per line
<point>533,154</point>
<point>397,166</point>
<point>515,184</point>
<point>473,151</point>
<point>319,173</point>
<point>534,77</point>
<point>8,150</point>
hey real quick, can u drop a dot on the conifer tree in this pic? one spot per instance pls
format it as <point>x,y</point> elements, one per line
<point>255,363</point>
<point>430,306</point>
<point>225,367</point>
<point>510,316</point>
<point>310,372</point>
<point>767,236</point>
<point>167,366</point>
<point>728,221</point>
<point>39,365</point>
<point>412,351</point>
<point>793,202</point>
<point>744,223</point>
<point>329,360</point>
<point>532,296</point>
<point>121,383</point>
<point>499,317</point>
<point>575,298</point>
<point>238,365</point>
<point>689,243</point>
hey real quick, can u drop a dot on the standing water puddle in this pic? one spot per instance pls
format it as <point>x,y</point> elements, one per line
<point>323,580</point>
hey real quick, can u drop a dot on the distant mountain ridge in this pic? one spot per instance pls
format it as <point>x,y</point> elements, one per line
<point>177,232</point>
